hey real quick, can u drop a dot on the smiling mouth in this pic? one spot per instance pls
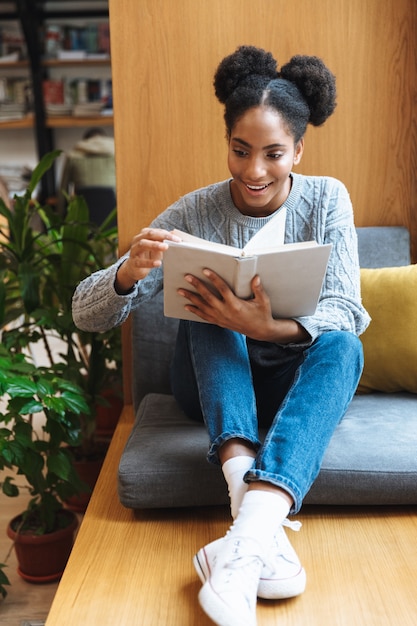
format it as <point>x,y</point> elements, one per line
<point>258,187</point>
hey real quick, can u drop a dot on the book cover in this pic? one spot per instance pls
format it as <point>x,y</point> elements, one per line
<point>53,91</point>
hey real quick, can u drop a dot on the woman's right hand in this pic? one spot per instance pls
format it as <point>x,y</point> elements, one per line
<point>146,252</point>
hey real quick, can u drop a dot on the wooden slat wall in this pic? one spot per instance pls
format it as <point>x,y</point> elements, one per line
<point>169,127</point>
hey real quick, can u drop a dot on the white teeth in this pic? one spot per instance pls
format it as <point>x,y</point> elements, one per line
<point>257,188</point>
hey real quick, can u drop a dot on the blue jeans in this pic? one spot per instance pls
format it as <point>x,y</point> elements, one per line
<point>300,404</point>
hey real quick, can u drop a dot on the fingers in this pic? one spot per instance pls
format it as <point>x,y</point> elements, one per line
<point>149,245</point>
<point>259,293</point>
<point>157,234</point>
<point>146,253</point>
<point>218,291</point>
<point>152,239</point>
<point>223,289</point>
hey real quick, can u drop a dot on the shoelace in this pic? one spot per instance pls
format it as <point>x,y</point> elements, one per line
<point>252,558</point>
<point>293,524</point>
<point>281,544</point>
<point>241,560</point>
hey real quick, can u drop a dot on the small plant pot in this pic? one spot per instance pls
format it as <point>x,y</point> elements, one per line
<point>42,558</point>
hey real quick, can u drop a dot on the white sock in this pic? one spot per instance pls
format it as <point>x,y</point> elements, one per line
<point>234,470</point>
<point>260,515</point>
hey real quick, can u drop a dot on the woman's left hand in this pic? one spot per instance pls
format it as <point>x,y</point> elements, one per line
<point>252,318</point>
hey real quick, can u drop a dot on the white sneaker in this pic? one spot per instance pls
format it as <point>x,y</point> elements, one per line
<point>228,595</point>
<point>284,577</point>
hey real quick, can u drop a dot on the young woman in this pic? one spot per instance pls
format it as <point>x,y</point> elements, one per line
<point>245,369</point>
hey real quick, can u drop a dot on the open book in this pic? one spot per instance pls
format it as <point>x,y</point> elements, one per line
<point>291,274</point>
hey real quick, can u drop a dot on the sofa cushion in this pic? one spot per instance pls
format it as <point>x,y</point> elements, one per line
<point>164,462</point>
<point>383,246</point>
<point>390,342</point>
<point>370,460</point>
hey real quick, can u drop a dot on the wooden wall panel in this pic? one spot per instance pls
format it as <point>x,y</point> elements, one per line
<point>169,128</point>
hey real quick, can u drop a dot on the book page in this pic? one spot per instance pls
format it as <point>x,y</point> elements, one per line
<point>269,236</point>
<point>292,277</point>
<point>202,244</point>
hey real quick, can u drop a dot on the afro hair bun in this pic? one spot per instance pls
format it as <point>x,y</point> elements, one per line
<point>241,65</point>
<point>316,84</point>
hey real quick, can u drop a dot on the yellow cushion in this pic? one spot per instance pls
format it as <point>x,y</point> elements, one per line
<point>390,342</point>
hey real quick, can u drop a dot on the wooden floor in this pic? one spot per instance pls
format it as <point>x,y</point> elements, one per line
<point>135,569</point>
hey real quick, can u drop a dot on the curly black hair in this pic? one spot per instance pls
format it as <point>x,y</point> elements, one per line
<point>303,92</point>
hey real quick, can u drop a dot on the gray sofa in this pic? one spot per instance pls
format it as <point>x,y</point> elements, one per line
<point>372,457</point>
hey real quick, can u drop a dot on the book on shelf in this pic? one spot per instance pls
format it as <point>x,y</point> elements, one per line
<point>12,111</point>
<point>71,42</point>
<point>53,91</point>
<point>16,93</point>
<point>71,55</point>
<point>62,95</point>
<point>292,274</point>
<point>12,43</point>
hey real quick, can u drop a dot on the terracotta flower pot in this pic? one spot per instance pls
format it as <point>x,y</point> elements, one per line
<point>42,558</point>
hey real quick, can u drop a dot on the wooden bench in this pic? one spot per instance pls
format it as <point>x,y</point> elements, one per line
<point>135,568</point>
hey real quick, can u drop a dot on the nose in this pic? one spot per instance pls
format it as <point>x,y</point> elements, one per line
<point>255,168</point>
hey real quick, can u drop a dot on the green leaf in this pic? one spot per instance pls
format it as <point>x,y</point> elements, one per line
<point>56,404</point>
<point>75,249</point>
<point>43,166</point>
<point>23,433</point>
<point>5,211</point>
<point>45,387</point>
<point>60,464</point>
<point>32,466</point>
<point>75,402</point>
<point>3,581</point>
<point>7,456</point>
<point>22,387</point>
<point>2,301</point>
<point>15,452</point>
<point>33,406</point>
<point>30,284</point>
<point>9,489</point>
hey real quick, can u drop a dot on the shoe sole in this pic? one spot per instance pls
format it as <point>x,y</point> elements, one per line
<point>267,589</point>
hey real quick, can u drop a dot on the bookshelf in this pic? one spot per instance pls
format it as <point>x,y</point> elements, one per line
<point>37,63</point>
<point>65,121</point>
<point>22,124</point>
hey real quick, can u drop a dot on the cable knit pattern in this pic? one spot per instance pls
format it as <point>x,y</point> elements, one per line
<point>317,208</point>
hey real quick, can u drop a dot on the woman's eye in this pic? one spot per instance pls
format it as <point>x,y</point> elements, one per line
<point>239,153</point>
<point>275,155</point>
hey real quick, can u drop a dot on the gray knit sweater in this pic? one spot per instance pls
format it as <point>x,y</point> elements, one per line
<point>317,208</point>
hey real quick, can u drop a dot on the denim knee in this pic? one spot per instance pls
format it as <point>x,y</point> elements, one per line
<point>324,385</point>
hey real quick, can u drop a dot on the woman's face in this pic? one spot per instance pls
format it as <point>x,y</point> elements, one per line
<point>260,158</point>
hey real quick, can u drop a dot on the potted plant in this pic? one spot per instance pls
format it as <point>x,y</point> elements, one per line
<point>43,256</point>
<point>44,463</point>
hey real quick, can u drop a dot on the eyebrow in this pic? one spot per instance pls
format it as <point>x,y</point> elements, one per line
<point>247,145</point>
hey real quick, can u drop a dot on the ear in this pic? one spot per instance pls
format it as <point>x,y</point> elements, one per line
<point>298,152</point>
